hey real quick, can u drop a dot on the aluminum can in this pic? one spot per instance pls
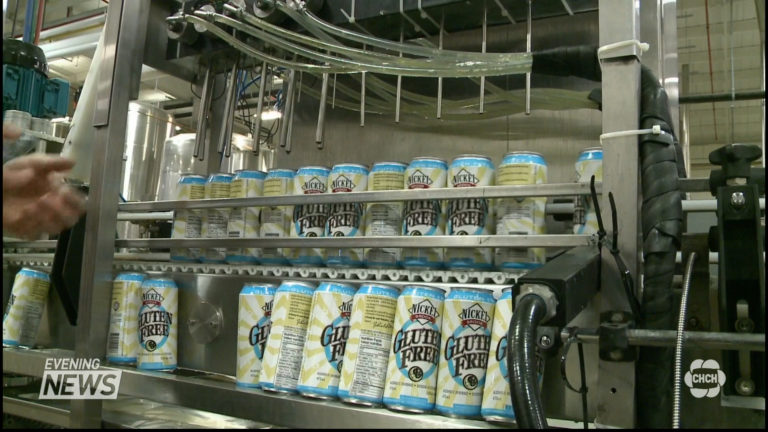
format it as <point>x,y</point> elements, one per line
<point>25,307</point>
<point>415,350</point>
<point>466,341</point>
<point>590,163</point>
<point>424,218</point>
<point>346,219</point>
<point>384,219</point>
<point>276,220</point>
<point>309,220</point>
<point>326,340</point>
<point>497,397</point>
<point>123,337</point>
<point>158,325</point>
<point>188,223</point>
<point>364,369</point>
<point>215,221</point>
<point>253,323</point>
<point>521,216</point>
<point>281,364</point>
<point>244,221</point>
<point>470,216</point>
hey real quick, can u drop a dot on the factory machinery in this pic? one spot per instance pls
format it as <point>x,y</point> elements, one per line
<point>619,317</point>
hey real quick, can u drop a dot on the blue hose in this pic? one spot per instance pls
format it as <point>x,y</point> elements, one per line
<point>29,20</point>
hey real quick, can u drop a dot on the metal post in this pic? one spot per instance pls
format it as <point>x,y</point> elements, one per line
<point>260,109</point>
<point>362,99</point>
<point>619,21</point>
<point>120,71</point>
<point>685,80</point>
<point>528,74</point>
<point>202,114</point>
<point>287,107</point>
<point>321,114</point>
<point>482,49</point>
<point>440,79</point>
<point>399,84</point>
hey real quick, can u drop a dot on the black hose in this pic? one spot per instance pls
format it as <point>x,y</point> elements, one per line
<point>521,362</point>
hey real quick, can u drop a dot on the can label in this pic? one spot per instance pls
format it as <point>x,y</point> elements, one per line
<point>521,216</point>
<point>244,221</point>
<point>466,341</point>
<point>123,340</point>
<point>188,223</point>
<point>590,163</point>
<point>497,397</point>
<point>424,218</point>
<point>285,344</point>
<point>326,340</point>
<point>470,216</point>
<point>346,219</point>
<point>215,221</point>
<point>415,349</point>
<point>158,325</point>
<point>254,323</point>
<point>276,220</point>
<point>309,220</point>
<point>364,368</point>
<point>384,219</point>
<point>25,307</point>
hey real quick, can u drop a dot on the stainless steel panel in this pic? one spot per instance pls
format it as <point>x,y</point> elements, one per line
<point>36,411</point>
<point>242,156</point>
<point>147,129</point>
<point>177,158</point>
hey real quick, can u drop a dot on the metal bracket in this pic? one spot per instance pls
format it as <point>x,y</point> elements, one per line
<point>548,339</point>
<point>614,342</point>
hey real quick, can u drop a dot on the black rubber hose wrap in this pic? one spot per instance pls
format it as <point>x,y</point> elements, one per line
<point>521,359</point>
<point>661,165</point>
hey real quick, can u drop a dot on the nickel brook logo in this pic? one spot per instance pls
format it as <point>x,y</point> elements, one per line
<point>154,321</point>
<point>335,336</point>
<point>417,343</point>
<point>257,337</point>
<point>467,349</point>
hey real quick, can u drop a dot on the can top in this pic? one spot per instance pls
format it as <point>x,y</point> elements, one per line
<point>591,153</point>
<point>350,165</point>
<point>192,179</point>
<point>344,288</point>
<point>192,174</point>
<point>221,178</point>
<point>314,167</point>
<point>472,294</point>
<point>281,172</point>
<point>160,282</point>
<point>379,289</point>
<point>250,174</point>
<point>131,276</point>
<point>258,288</point>
<point>429,158</point>
<point>471,156</point>
<point>26,271</point>
<point>506,289</point>
<point>385,163</point>
<point>420,290</point>
<point>295,282</point>
<point>524,156</point>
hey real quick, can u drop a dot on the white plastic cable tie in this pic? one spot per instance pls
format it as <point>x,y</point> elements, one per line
<point>656,130</point>
<point>643,46</point>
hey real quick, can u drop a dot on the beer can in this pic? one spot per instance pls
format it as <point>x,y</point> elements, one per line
<point>384,219</point>
<point>253,323</point>
<point>364,369</point>
<point>497,397</point>
<point>158,325</point>
<point>326,340</point>
<point>346,219</point>
<point>244,221</point>
<point>276,220</point>
<point>590,163</point>
<point>521,216</point>
<point>215,221</point>
<point>424,218</point>
<point>415,350</point>
<point>470,216</point>
<point>123,336</point>
<point>281,364</point>
<point>466,341</point>
<point>187,223</point>
<point>309,219</point>
<point>25,307</point>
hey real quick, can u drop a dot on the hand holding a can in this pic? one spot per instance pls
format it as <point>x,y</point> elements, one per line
<point>35,198</point>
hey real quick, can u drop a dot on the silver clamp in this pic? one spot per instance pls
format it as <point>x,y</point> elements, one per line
<point>546,294</point>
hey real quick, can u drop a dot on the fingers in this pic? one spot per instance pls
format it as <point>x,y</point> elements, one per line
<point>42,164</point>
<point>52,213</point>
<point>29,174</point>
<point>11,132</point>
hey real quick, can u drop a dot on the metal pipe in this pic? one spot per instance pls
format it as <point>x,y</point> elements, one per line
<point>680,340</point>
<point>362,99</point>
<point>225,136</point>
<point>72,24</point>
<point>399,83</point>
<point>287,107</point>
<point>29,17</point>
<point>709,56</point>
<point>528,74</point>
<point>260,107</point>
<point>439,113</point>
<point>723,97</point>
<point>321,114</point>
<point>482,49</point>
<point>202,115</point>
<point>289,135</point>
<point>668,338</point>
<point>144,216</point>
<point>708,205</point>
<point>733,77</point>
<point>39,25</point>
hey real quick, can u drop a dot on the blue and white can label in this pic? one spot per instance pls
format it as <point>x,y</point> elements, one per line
<point>158,325</point>
<point>309,219</point>
<point>384,219</point>
<point>424,218</point>
<point>346,219</point>
<point>276,220</point>
<point>497,397</point>
<point>25,307</point>
<point>122,339</point>
<point>253,324</point>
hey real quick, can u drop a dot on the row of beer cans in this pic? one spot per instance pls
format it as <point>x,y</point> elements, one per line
<point>469,216</point>
<point>415,349</point>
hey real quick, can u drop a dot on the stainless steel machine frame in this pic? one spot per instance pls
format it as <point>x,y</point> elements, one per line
<point>126,31</point>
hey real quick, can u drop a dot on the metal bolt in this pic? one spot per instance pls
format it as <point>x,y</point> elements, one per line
<point>617,317</point>
<point>737,199</point>
<point>545,341</point>
<point>745,386</point>
<point>693,322</point>
<point>615,354</point>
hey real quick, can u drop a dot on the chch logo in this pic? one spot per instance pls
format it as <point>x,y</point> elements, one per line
<point>705,378</point>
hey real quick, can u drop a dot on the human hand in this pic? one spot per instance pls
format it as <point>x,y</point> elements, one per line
<point>35,198</point>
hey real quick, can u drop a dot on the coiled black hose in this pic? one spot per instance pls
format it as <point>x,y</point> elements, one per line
<point>521,361</point>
